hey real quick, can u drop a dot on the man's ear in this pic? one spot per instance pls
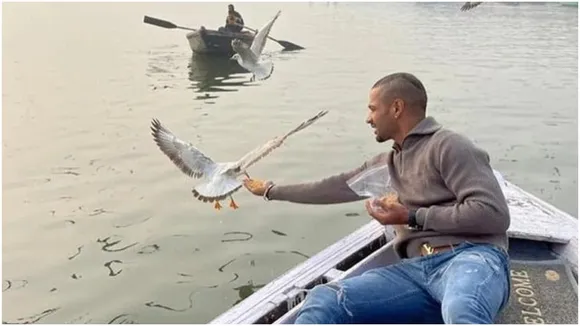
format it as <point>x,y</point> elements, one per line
<point>398,106</point>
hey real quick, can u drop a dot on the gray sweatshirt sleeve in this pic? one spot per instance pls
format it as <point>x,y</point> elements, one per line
<point>331,190</point>
<point>481,207</point>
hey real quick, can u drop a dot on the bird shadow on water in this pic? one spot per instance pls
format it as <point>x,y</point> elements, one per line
<point>211,76</point>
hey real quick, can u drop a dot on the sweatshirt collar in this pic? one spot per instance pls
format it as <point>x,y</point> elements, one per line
<point>427,126</point>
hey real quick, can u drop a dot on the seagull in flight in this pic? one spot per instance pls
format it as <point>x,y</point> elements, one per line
<point>249,56</point>
<point>220,177</point>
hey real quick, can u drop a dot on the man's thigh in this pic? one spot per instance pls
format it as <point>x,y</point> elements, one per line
<point>393,294</point>
<point>473,286</point>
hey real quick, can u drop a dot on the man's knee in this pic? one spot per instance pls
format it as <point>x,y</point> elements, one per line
<point>467,309</point>
<point>322,306</point>
<point>323,293</point>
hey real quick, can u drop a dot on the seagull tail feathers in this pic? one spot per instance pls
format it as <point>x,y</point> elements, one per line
<point>217,189</point>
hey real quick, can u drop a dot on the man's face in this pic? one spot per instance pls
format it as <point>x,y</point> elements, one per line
<point>230,8</point>
<point>381,116</point>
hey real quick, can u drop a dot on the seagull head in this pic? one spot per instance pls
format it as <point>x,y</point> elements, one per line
<point>235,56</point>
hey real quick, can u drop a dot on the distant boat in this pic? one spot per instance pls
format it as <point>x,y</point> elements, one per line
<point>470,5</point>
<point>216,42</point>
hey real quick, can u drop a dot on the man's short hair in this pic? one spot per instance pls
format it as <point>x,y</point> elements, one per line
<point>404,86</point>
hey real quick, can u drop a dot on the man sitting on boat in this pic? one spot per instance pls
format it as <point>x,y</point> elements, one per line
<point>234,21</point>
<point>454,264</point>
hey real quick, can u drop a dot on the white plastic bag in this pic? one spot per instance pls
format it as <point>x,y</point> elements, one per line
<point>374,183</point>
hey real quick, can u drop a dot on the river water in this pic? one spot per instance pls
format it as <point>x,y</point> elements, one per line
<point>99,226</point>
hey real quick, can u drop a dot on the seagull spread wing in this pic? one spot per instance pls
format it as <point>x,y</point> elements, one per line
<point>187,158</point>
<point>260,38</point>
<point>244,51</point>
<point>217,189</point>
<point>260,152</point>
<point>470,5</point>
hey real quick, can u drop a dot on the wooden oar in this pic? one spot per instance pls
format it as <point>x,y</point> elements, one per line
<point>285,44</point>
<point>163,23</point>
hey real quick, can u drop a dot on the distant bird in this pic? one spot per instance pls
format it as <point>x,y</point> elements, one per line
<point>470,5</point>
<point>221,178</point>
<point>249,56</point>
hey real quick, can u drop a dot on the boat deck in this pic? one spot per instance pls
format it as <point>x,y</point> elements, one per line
<point>544,289</point>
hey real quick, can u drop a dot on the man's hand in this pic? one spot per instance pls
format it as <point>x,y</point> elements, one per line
<point>392,213</point>
<point>257,187</point>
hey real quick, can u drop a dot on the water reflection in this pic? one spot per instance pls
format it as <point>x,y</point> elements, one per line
<point>153,304</point>
<point>107,245</point>
<point>247,290</point>
<point>212,75</point>
<point>13,284</point>
<point>34,318</point>
<point>122,319</point>
<point>238,268</point>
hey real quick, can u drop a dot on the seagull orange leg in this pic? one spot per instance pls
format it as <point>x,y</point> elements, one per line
<point>233,203</point>
<point>217,205</point>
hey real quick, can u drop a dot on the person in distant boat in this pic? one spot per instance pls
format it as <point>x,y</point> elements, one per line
<point>234,21</point>
<point>454,265</point>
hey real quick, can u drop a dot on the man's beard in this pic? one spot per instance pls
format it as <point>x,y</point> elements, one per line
<point>380,139</point>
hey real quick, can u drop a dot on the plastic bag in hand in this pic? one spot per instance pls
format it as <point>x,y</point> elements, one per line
<point>374,183</point>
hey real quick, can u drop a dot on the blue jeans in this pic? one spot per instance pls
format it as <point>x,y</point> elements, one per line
<point>469,285</point>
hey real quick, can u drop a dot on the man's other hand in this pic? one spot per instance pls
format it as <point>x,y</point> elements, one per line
<point>387,213</point>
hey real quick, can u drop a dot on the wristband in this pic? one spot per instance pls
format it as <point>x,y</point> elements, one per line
<point>267,191</point>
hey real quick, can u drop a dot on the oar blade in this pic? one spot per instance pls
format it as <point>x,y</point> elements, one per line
<point>158,22</point>
<point>289,46</point>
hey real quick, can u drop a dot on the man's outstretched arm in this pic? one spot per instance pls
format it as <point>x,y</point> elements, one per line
<point>331,190</point>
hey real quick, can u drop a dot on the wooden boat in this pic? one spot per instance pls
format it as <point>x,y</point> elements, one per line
<point>216,42</point>
<point>543,254</point>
